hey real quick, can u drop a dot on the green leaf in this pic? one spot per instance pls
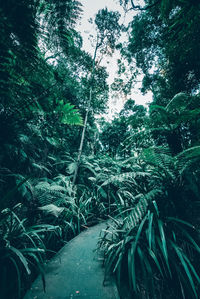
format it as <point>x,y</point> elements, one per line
<point>150,230</point>
<point>184,265</point>
<point>18,277</point>
<point>152,254</point>
<point>181,221</point>
<point>68,114</point>
<point>52,209</point>
<point>163,243</point>
<point>21,258</point>
<point>132,252</point>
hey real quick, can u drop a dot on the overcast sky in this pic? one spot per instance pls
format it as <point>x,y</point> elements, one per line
<point>90,8</point>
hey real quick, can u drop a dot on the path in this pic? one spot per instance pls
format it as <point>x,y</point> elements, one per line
<point>76,272</point>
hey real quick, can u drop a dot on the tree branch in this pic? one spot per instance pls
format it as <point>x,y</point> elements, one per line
<point>138,7</point>
<point>52,56</point>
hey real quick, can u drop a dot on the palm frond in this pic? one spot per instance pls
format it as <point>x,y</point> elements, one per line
<point>178,102</point>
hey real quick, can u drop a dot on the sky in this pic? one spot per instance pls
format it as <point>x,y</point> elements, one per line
<point>90,8</point>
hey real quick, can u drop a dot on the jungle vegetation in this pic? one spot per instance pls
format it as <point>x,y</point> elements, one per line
<point>61,171</point>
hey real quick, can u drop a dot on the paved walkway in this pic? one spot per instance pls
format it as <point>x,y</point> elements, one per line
<point>76,272</point>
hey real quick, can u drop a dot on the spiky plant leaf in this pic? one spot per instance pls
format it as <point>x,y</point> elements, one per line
<point>181,256</point>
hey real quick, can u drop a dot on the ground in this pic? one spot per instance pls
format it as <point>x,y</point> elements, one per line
<point>76,271</point>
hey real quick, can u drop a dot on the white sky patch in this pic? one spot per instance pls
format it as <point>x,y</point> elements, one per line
<point>90,9</point>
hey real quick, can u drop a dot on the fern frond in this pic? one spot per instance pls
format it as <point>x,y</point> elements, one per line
<point>137,214</point>
<point>40,167</point>
<point>48,193</point>
<point>190,153</point>
<point>161,160</point>
<point>59,25</point>
<point>52,209</point>
<point>140,209</point>
<point>125,177</point>
<point>187,158</point>
<point>68,114</point>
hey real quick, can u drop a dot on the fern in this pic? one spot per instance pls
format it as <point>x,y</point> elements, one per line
<point>49,192</point>
<point>40,167</point>
<point>190,153</point>
<point>68,114</point>
<point>163,162</point>
<point>140,208</point>
<point>187,161</point>
<point>60,24</point>
<point>52,209</point>
<point>125,177</point>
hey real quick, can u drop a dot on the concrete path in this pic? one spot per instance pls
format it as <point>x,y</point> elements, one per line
<point>76,272</point>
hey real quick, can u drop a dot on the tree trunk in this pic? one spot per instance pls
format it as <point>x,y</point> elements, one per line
<point>86,118</point>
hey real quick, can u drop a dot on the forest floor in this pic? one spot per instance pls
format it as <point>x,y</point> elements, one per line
<point>76,271</point>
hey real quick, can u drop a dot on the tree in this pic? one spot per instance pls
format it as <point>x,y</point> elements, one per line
<point>161,43</point>
<point>108,31</point>
<point>111,139</point>
<point>157,226</point>
<point>176,124</point>
<point>116,135</point>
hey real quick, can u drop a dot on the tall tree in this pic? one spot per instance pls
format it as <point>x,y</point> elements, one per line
<point>161,43</point>
<point>107,32</point>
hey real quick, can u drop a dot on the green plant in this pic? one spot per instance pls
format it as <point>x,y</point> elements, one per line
<point>23,251</point>
<point>155,242</point>
<point>59,201</point>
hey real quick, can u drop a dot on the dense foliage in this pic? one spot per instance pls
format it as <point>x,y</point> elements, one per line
<point>60,172</point>
<point>45,81</point>
<point>154,244</point>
